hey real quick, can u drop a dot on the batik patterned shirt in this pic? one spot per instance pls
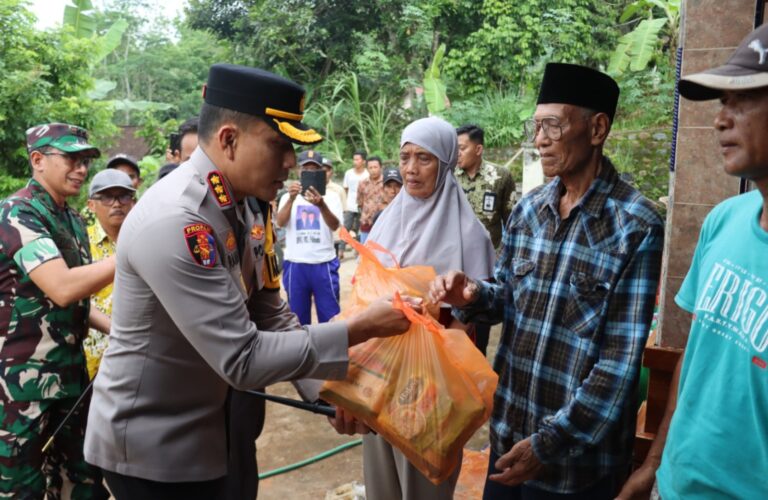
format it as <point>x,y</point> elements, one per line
<point>576,297</point>
<point>41,353</point>
<point>371,199</point>
<point>96,341</point>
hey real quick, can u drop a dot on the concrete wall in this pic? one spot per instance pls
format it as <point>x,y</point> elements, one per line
<point>710,31</point>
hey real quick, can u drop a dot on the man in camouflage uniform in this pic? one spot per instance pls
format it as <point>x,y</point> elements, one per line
<point>46,279</point>
<point>489,189</point>
<point>491,192</point>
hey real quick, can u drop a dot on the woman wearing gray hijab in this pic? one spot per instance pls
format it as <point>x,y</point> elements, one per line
<point>429,223</point>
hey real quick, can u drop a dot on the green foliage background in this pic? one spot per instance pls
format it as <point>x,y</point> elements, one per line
<point>363,64</point>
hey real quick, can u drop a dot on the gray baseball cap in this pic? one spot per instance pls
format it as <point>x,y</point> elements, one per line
<point>110,178</point>
<point>746,69</point>
<point>124,159</point>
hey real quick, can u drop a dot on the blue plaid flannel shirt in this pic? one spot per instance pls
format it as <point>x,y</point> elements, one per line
<point>576,297</point>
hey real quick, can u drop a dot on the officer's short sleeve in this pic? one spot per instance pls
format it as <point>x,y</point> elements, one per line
<point>26,238</point>
<point>177,256</point>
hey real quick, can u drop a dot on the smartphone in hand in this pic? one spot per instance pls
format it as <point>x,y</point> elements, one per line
<point>314,178</point>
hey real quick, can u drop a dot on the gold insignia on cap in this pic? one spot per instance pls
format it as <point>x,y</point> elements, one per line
<point>283,114</point>
<point>301,103</point>
<point>306,136</point>
<point>310,154</point>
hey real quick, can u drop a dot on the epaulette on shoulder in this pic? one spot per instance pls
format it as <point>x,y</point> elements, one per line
<point>194,190</point>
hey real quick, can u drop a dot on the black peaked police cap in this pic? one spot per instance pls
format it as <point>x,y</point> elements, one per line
<point>277,100</point>
<point>579,86</point>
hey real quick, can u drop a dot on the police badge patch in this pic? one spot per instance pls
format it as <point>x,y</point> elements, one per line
<point>257,232</point>
<point>201,243</point>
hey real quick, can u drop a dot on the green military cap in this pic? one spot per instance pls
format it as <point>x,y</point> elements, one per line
<point>279,101</point>
<point>62,136</point>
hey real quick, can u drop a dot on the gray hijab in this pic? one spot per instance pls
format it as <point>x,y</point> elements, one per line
<point>441,231</point>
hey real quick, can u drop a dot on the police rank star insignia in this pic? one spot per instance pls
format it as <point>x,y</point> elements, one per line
<point>201,244</point>
<point>219,188</point>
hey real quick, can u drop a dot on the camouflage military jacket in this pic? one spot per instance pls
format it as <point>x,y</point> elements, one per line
<point>40,343</point>
<point>491,192</point>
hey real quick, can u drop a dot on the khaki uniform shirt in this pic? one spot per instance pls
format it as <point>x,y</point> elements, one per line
<point>182,331</point>
<point>491,192</point>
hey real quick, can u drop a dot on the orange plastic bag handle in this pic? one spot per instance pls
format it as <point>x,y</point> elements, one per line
<point>367,249</point>
<point>414,317</point>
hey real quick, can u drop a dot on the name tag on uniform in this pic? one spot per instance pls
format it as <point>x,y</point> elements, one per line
<point>489,201</point>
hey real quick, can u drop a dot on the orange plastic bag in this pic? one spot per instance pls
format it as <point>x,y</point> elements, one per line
<point>474,471</point>
<point>426,391</point>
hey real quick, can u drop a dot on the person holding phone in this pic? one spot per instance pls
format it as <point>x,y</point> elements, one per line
<point>310,215</point>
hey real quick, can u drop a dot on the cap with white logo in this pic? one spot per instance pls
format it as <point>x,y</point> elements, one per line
<point>747,68</point>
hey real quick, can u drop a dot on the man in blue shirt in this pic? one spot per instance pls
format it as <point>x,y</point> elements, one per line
<point>713,441</point>
<point>575,288</point>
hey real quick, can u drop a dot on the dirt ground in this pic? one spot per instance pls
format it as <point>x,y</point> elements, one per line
<point>292,436</point>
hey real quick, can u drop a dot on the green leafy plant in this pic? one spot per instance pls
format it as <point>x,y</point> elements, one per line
<point>77,17</point>
<point>637,48</point>
<point>352,119</point>
<point>434,88</point>
<point>46,77</point>
<point>9,185</point>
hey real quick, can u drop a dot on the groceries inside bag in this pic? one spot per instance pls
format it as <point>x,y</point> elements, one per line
<point>426,391</point>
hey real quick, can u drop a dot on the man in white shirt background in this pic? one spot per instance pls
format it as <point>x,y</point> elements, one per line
<point>311,267</point>
<point>352,179</point>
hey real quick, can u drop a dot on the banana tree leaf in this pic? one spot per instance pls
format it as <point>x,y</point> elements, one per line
<point>434,68</point>
<point>643,42</point>
<point>101,88</point>
<point>620,59</point>
<point>76,17</point>
<point>434,88</point>
<point>631,10</point>
<point>128,105</point>
<point>110,40</point>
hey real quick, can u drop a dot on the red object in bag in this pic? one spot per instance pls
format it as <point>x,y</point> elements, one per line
<point>426,391</point>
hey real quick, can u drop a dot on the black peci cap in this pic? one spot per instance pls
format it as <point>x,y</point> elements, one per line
<point>279,101</point>
<point>580,86</point>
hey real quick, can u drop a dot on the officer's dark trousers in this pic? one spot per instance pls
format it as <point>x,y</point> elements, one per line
<point>135,488</point>
<point>246,420</point>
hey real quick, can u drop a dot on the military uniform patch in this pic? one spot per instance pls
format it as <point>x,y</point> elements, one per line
<point>201,243</point>
<point>219,188</point>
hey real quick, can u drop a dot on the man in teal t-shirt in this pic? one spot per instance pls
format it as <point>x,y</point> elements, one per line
<point>713,441</point>
<point>717,443</point>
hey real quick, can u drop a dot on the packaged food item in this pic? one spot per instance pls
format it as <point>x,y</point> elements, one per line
<point>426,391</point>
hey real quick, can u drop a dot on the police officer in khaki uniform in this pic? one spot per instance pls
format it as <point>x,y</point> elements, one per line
<point>188,283</point>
